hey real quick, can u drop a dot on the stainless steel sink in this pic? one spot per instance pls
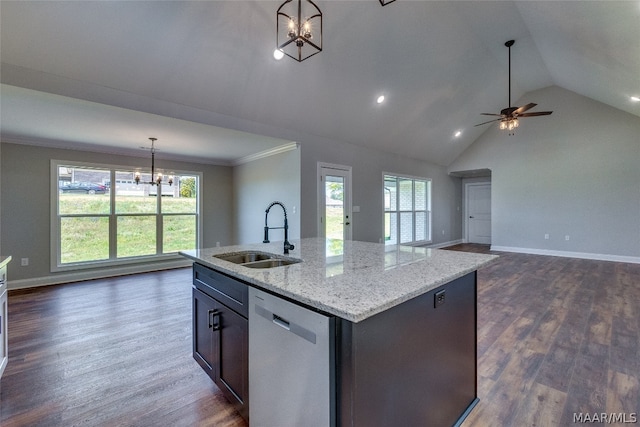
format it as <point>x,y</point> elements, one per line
<point>256,259</point>
<point>270,263</point>
<point>245,257</point>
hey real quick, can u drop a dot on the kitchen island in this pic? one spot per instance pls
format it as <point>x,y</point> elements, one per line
<point>364,334</point>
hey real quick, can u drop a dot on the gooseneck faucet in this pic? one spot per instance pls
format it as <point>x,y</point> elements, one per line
<point>287,246</point>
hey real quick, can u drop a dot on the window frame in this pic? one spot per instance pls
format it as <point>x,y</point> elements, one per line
<point>112,260</point>
<point>428,210</point>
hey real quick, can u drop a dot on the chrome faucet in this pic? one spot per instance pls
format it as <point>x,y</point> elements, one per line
<point>287,246</point>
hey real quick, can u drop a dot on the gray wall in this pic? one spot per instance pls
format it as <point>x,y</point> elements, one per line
<point>575,173</point>
<point>258,183</point>
<point>25,175</point>
<point>367,168</point>
<point>241,193</point>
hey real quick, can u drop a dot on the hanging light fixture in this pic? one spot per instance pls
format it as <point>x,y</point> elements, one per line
<point>158,180</point>
<point>508,117</point>
<point>509,123</point>
<point>299,29</point>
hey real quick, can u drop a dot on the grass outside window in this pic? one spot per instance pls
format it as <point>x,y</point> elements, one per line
<point>125,221</point>
<point>84,239</point>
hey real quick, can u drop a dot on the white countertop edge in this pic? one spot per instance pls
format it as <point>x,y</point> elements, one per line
<point>4,260</point>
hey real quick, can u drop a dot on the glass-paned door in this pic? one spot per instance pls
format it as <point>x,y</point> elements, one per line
<point>335,202</point>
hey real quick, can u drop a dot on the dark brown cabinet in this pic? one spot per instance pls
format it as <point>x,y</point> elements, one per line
<point>221,333</point>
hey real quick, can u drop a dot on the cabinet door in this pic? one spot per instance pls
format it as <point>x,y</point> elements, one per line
<point>204,338</point>
<point>233,375</point>
<point>221,347</point>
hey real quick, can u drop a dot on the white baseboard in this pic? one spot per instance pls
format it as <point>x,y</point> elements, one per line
<point>567,254</point>
<point>444,244</point>
<point>78,276</point>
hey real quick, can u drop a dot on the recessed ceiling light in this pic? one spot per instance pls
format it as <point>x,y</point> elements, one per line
<point>457,134</point>
<point>380,99</point>
<point>635,99</point>
<point>278,54</point>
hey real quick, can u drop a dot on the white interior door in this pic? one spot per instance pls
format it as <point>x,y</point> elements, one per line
<point>479,213</point>
<point>334,194</point>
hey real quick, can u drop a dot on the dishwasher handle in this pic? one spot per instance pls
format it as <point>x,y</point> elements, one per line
<point>280,321</point>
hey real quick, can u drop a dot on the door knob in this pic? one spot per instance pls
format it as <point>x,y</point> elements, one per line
<point>471,217</point>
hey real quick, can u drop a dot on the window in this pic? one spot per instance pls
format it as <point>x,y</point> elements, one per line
<point>407,210</point>
<point>101,216</point>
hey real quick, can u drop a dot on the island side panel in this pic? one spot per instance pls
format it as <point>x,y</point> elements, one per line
<point>414,364</point>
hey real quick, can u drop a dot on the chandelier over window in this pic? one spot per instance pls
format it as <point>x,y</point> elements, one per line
<point>299,29</point>
<point>158,179</point>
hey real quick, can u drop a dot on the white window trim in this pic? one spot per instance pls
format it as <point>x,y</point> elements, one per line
<point>56,265</point>
<point>429,210</point>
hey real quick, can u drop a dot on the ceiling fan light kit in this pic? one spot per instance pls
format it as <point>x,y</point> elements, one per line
<point>509,124</point>
<point>508,117</point>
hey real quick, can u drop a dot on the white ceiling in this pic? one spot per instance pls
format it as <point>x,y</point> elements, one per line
<point>34,117</point>
<point>189,69</point>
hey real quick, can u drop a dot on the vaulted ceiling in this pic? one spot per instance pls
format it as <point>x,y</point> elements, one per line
<point>200,76</point>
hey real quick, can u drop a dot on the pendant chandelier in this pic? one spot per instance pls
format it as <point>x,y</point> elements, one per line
<point>158,180</point>
<point>299,29</point>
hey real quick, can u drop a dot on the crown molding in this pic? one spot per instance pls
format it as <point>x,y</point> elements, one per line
<point>103,149</point>
<point>266,153</point>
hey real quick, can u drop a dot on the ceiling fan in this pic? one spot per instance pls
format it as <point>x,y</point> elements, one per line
<point>509,116</point>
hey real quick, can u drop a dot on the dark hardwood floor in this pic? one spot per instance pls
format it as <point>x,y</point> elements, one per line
<point>113,352</point>
<point>556,336</point>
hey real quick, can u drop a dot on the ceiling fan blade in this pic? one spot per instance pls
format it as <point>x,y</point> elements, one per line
<point>537,113</point>
<point>490,121</point>
<point>524,108</point>
<point>491,114</point>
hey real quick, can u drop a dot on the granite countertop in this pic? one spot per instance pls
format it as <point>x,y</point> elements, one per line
<point>352,280</point>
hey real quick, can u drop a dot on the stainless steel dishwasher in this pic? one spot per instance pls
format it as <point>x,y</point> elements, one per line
<point>291,364</point>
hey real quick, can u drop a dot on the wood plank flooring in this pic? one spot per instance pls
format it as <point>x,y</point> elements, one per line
<point>114,352</point>
<point>556,336</point>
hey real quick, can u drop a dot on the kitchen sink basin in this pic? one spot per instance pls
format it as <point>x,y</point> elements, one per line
<point>245,257</point>
<point>270,263</point>
<point>256,259</point>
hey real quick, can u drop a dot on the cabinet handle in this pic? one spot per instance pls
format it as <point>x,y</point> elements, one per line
<point>214,320</point>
